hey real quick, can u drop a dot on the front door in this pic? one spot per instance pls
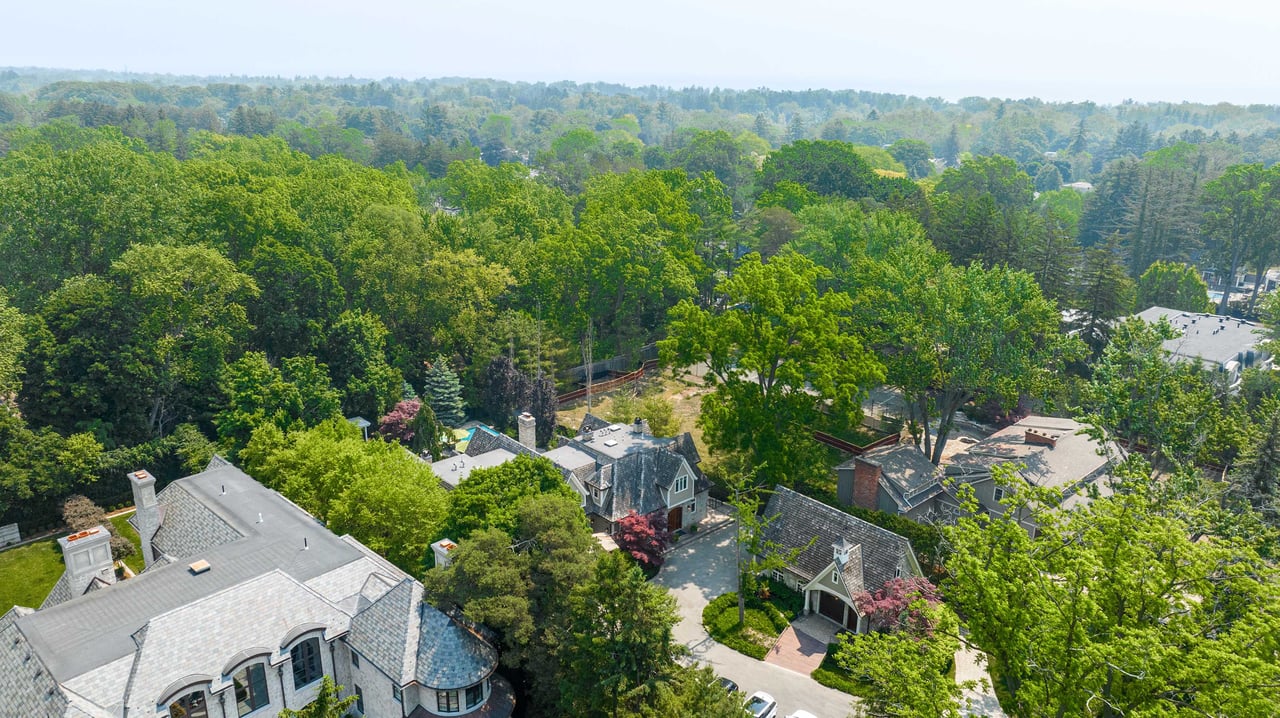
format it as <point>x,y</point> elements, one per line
<point>675,518</point>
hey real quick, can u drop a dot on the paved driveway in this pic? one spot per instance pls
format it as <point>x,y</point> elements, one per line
<point>704,568</point>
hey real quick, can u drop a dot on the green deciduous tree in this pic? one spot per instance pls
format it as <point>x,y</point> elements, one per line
<point>394,511</point>
<point>782,361</point>
<point>13,341</point>
<point>295,395</point>
<point>907,674</point>
<point>1173,285</point>
<point>1113,609</point>
<point>326,704</point>
<point>490,498</point>
<point>825,167</point>
<point>951,335</point>
<point>356,353</point>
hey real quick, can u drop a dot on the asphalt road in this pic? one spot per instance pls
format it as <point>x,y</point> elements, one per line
<point>704,568</point>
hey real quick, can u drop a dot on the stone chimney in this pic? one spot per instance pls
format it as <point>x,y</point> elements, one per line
<point>147,518</point>
<point>87,556</point>
<point>528,430</point>
<point>441,550</point>
<point>1041,438</point>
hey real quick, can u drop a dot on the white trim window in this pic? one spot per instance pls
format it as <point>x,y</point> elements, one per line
<point>999,494</point>
<point>682,484</point>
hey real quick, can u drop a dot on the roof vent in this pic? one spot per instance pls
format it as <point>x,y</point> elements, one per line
<point>611,442</point>
<point>199,567</point>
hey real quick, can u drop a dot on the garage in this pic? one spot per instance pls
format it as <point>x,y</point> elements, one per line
<point>832,607</point>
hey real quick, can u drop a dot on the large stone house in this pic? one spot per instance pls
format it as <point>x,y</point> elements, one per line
<point>620,468</point>
<point>246,602</point>
<point>840,555</point>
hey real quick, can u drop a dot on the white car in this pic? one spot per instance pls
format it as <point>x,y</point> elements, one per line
<point>762,705</point>
<point>802,714</point>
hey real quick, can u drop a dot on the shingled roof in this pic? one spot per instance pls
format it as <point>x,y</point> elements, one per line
<point>800,522</point>
<point>432,649</point>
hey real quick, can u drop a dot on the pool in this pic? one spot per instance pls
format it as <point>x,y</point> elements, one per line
<point>1215,297</point>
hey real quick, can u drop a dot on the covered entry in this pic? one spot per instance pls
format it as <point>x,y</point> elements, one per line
<point>834,608</point>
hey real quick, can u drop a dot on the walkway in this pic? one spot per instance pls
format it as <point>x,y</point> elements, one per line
<point>980,701</point>
<point>705,567</point>
<point>797,651</point>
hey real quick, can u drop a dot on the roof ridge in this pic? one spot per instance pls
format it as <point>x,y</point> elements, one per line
<point>845,516</point>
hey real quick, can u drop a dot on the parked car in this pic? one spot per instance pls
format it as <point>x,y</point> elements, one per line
<point>728,685</point>
<point>762,705</point>
<point>802,714</point>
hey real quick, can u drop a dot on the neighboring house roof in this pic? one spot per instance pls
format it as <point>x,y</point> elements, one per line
<point>1213,339</point>
<point>27,688</point>
<point>908,476</point>
<point>440,652</point>
<point>486,439</point>
<point>629,466</point>
<point>799,522</point>
<point>1073,459</point>
<point>455,469</point>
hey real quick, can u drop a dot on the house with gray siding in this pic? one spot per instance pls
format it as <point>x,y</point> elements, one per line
<point>621,468</point>
<point>899,480</point>
<point>246,603</point>
<point>839,556</point>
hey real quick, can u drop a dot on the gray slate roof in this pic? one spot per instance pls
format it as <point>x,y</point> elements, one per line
<point>800,520</point>
<point>256,614</point>
<point>434,650</point>
<point>189,526</point>
<point>486,439</point>
<point>592,423</point>
<point>26,685</point>
<point>1209,337</point>
<point>97,628</point>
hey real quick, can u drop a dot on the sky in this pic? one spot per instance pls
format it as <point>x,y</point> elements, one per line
<point>1100,50</point>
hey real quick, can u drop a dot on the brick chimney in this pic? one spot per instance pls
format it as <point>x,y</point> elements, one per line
<point>866,484</point>
<point>147,518</point>
<point>87,555</point>
<point>1041,438</point>
<point>528,430</point>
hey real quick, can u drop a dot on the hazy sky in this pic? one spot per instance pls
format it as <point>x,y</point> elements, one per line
<point>1102,50</point>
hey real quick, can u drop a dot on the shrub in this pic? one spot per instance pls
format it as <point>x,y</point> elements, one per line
<point>831,675</point>
<point>758,632</point>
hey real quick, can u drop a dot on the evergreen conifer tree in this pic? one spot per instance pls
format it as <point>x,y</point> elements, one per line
<point>443,392</point>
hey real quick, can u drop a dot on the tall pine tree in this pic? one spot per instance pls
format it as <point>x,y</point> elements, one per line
<point>443,392</point>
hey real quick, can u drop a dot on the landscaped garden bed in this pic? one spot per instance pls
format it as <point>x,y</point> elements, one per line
<point>755,636</point>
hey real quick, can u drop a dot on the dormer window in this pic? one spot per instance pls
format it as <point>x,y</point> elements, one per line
<point>192,705</point>
<point>251,689</point>
<point>682,483</point>
<point>999,494</point>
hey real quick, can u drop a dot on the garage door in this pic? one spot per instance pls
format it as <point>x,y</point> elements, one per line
<point>831,606</point>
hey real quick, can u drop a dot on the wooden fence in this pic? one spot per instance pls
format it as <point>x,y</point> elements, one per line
<point>608,384</point>
<point>852,448</point>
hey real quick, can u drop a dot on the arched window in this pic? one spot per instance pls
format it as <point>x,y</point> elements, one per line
<point>306,662</point>
<point>251,688</point>
<point>192,705</point>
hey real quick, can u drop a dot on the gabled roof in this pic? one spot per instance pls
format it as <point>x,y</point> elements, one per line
<point>799,522</point>
<point>908,476</point>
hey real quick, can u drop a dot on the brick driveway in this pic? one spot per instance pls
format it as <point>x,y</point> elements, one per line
<point>703,568</point>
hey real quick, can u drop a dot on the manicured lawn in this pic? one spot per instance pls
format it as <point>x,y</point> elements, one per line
<point>831,675</point>
<point>134,560</point>
<point>28,573</point>
<point>755,635</point>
